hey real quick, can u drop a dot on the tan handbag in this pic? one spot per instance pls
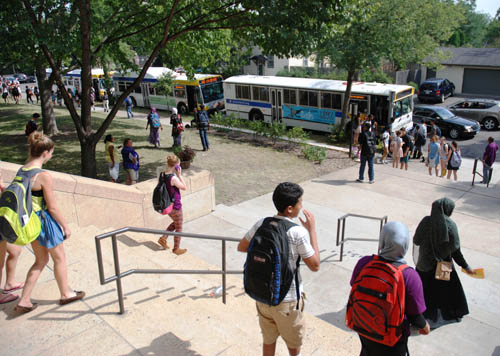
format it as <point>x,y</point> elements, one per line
<point>443,270</point>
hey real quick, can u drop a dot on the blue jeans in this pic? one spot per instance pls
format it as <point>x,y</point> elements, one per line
<point>204,139</point>
<point>129,112</point>
<point>371,174</point>
<point>177,140</point>
<point>486,172</point>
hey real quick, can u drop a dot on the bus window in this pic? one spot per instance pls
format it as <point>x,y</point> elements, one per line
<point>290,96</point>
<point>151,89</point>
<point>402,107</point>
<point>260,93</point>
<point>242,92</point>
<point>303,98</point>
<point>122,86</point>
<point>137,90</point>
<point>313,98</point>
<point>331,101</point>
<point>212,92</point>
<point>180,92</point>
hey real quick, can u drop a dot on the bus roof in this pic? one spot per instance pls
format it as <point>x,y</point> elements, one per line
<point>319,84</point>
<point>154,73</point>
<point>96,72</point>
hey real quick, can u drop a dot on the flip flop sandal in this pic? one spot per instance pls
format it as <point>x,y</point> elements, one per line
<point>79,295</point>
<point>7,297</point>
<point>24,310</point>
<point>19,286</point>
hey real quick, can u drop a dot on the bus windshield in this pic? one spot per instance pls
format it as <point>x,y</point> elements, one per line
<point>212,92</point>
<point>402,107</point>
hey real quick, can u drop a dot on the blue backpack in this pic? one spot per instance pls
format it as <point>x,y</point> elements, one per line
<point>203,117</point>
<point>155,120</point>
<point>267,274</point>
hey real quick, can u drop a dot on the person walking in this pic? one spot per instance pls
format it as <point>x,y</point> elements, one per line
<point>112,158</point>
<point>41,149</point>
<point>175,183</point>
<point>37,94</point>
<point>396,149</point>
<point>92,98</point>
<point>407,145</point>
<point>105,101</point>
<point>356,127</point>
<point>287,318</point>
<point>454,160</point>
<point>16,93</point>
<point>393,245</point>
<point>443,155</point>
<point>177,127</point>
<point>128,106</point>
<point>13,252</point>
<point>435,130</point>
<point>489,157</point>
<point>59,97</point>
<point>367,147</point>
<point>203,127</point>
<point>433,155</point>
<point>436,239</point>
<point>29,95</point>
<point>32,126</point>
<point>130,162</point>
<point>385,145</point>
<point>154,124</point>
<point>420,141</point>
<point>5,92</point>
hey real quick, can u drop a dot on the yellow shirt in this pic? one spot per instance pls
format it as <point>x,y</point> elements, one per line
<point>115,153</point>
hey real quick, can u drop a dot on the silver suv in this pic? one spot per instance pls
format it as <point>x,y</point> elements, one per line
<point>484,111</point>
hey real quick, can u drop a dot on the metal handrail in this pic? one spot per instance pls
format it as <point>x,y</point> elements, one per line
<point>341,240</point>
<point>474,172</point>
<point>119,275</point>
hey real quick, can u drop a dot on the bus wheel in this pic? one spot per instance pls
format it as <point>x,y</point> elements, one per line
<point>182,108</point>
<point>256,115</point>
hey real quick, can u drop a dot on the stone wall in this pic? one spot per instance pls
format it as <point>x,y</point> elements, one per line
<point>86,201</point>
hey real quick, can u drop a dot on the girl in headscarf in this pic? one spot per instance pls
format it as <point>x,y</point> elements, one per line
<point>436,239</point>
<point>393,245</point>
<point>154,125</point>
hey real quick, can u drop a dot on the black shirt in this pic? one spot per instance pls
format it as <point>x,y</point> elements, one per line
<point>367,142</point>
<point>406,140</point>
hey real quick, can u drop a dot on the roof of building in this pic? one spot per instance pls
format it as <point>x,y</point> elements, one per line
<point>478,57</point>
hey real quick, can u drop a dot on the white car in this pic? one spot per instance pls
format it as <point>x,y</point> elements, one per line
<point>484,111</point>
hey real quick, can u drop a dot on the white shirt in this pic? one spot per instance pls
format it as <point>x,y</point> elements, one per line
<point>385,138</point>
<point>300,245</point>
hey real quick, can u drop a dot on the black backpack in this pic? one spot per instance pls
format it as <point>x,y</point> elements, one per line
<point>162,201</point>
<point>267,274</point>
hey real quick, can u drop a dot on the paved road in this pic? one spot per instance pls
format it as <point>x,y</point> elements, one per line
<point>474,147</point>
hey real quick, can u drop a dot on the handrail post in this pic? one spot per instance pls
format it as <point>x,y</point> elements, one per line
<point>342,240</point>
<point>100,266</point>
<point>224,271</point>
<point>118,274</point>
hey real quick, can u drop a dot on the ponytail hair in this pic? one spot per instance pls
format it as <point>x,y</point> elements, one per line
<point>39,143</point>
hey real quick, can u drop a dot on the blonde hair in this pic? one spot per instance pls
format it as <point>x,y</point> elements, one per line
<point>435,138</point>
<point>172,160</point>
<point>39,143</point>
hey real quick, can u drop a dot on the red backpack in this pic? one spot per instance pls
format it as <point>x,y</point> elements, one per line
<point>376,304</point>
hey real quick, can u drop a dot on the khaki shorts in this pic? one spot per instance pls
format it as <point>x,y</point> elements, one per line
<point>133,174</point>
<point>282,320</point>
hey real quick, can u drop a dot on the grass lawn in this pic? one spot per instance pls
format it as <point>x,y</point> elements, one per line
<point>241,170</point>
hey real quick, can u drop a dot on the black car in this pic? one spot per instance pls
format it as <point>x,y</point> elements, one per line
<point>450,124</point>
<point>435,90</point>
<point>21,77</point>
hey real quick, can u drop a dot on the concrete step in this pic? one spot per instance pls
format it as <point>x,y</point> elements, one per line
<point>165,314</point>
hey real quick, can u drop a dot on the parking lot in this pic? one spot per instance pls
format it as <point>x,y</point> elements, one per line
<point>472,147</point>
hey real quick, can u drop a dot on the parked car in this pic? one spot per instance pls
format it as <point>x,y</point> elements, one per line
<point>450,124</point>
<point>436,90</point>
<point>21,77</point>
<point>484,111</point>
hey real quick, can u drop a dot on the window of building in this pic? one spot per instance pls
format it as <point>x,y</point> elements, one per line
<point>270,61</point>
<point>243,92</point>
<point>290,96</point>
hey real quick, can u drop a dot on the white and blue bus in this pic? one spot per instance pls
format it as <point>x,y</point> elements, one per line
<point>316,104</point>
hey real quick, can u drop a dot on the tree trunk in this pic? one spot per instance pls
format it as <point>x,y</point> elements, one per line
<point>49,124</point>
<point>88,158</point>
<point>347,99</point>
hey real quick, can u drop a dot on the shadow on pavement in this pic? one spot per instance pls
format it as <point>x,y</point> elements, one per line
<point>167,344</point>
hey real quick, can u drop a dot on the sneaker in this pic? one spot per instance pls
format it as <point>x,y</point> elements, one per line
<point>371,182</point>
<point>359,180</point>
<point>179,251</point>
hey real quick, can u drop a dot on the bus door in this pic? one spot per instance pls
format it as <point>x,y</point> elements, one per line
<point>145,94</point>
<point>193,96</point>
<point>276,104</point>
<point>96,86</point>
